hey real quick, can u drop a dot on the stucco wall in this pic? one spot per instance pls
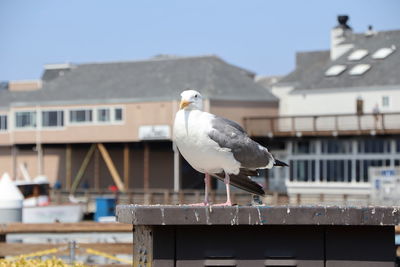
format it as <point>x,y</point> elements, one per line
<point>338,101</point>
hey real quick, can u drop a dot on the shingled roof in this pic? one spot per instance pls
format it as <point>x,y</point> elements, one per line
<point>158,79</point>
<point>311,66</point>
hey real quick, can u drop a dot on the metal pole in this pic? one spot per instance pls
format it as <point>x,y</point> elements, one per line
<point>72,247</point>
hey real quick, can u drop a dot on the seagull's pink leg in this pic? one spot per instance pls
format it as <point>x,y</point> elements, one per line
<point>207,186</point>
<point>228,192</point>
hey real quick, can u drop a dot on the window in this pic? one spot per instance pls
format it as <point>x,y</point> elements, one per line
<point>382,53</point>
<point>303,147</point>
<point>385,101</point>
<point>359,69</point>
<point>3,122</point>
<point>25,119</point>
<point>53,118</point>
<point>118,114</point>
<point>335,170</point>
<point>357,55</point>
<point>80,115</point>
<point>335,70</point>
<point>373,146</point>
<point>103,115</point>
<point>334,146</point>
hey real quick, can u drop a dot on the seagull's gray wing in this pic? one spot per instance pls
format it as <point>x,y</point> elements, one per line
<point>229,134</point>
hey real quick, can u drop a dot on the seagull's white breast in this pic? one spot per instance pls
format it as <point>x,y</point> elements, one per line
<point>191,130</point>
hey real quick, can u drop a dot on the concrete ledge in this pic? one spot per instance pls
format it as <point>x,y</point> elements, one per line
<point>257,215</point>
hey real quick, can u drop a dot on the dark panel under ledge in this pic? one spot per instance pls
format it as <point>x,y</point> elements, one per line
<point>251,236</point>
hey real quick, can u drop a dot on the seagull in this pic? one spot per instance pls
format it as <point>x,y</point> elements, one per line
<point>219,147</point>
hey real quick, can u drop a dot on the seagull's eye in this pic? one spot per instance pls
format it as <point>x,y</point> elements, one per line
<point>195,96</point>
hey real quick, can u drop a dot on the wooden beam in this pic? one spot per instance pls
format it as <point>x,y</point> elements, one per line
<point>111,167</point>
<point>126,165</point>
<point>15,249</point>
<point>82,169</point>
<point>80,227</point>
<point>146,166</point>
<point>68,165</point>
<point>96,170</point>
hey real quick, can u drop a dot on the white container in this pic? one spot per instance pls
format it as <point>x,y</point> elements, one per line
<point>11,200</point>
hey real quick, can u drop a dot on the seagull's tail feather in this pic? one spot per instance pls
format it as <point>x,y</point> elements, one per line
<point>242,181</point>
<point>280,163</point>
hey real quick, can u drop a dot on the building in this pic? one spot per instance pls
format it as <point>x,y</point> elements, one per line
<point>100,124</point>
<point>339,115</point>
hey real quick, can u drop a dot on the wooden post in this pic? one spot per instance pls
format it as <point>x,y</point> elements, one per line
<point>336,123</point>
<point>315,123</point>
<point>68,165</point>
<point>14,153</point>
<point>293,124</point>
<point>383,121</point>
<point>126,165</point>
<point>96,170</point>
<point>39,150</point>
<point>146,167</point>
<point>111,167</point>
<point>271,122</point>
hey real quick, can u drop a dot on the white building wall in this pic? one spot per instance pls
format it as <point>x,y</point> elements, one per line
<point>337,101</point>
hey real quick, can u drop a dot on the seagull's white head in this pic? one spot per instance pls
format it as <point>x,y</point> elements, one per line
<point>191,99</point>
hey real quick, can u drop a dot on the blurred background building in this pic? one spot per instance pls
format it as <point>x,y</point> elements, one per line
<point>98,124</point>
<point>338,116</point>
<point>66,124</point>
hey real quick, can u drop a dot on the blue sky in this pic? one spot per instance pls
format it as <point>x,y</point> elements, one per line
<point>261,36</point>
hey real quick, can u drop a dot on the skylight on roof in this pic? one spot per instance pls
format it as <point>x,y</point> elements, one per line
<point>382,53</point>
<point>335,70</point>
<point>359,69</point>
<point>357,55</point>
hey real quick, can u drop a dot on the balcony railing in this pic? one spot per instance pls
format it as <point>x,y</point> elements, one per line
<point>336,124</point>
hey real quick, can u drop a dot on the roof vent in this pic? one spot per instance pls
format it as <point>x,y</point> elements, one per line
<point>370,32</point>
<point>357,55</point>
<point>383,52</point>
<point>335,70</point>
<point>359,69</point>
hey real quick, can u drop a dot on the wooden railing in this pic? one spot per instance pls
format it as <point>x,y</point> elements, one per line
<point>336,124</point>
<point>164,197</point>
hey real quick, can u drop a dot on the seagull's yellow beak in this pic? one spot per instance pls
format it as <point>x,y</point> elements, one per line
<point>184,103</point>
